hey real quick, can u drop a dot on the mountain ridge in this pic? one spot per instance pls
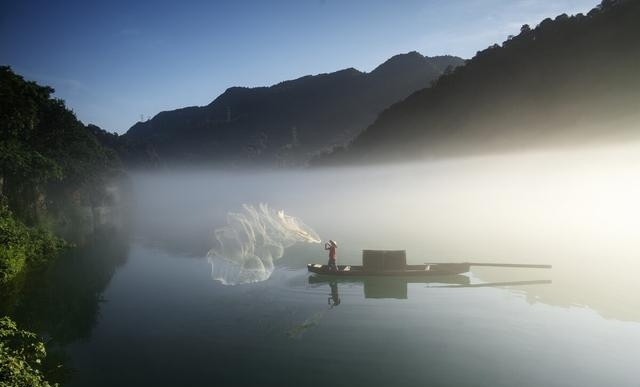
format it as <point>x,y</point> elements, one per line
<point>288,122</point>
<point>568,81</point>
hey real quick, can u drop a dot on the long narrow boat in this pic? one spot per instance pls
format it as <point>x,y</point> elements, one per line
<point>428,269</point>
<point>451,279</point>
<point>393,263</point>
<point>409,270</point>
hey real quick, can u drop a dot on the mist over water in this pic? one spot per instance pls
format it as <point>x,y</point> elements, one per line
<point>196,230</point>
<point>577,210</point>
<point>248,246</point>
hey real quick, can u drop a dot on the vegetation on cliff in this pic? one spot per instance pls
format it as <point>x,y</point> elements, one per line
<point>49,164</point>
<point>21,357</point>
<point>23,246</point>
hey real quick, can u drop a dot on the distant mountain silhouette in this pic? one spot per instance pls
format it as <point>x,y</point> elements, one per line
<point>286,123</point>
<point>572,80</point>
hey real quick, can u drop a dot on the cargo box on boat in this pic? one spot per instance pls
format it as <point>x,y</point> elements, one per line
<point>379,260</point>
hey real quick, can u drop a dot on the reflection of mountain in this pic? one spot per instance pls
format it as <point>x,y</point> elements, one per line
<point>572,80</point>
<point>289,121</point>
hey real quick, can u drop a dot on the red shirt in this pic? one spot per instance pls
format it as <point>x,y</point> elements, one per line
<point>332,253</point>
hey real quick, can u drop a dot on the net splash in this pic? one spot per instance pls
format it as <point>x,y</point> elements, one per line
<point>248,246</point>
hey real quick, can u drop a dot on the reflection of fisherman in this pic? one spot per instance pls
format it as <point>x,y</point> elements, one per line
<point>332,246</point>
<point>335,297</point>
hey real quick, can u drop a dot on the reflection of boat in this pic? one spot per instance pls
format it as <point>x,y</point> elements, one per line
<point>389,287</point>
<point>396,287</point>
<point>387,263</point>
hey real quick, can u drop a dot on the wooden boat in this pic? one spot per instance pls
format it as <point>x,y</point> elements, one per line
<point>438,269</point>
<point>454,279</point>
<point>393,263</point>
<point>429,269</point>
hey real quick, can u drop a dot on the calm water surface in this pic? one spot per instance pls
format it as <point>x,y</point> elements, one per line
<point>140,308</point>
<point>162,321</point>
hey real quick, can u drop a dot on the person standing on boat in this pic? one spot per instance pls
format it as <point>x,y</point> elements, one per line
<point>332,246</point>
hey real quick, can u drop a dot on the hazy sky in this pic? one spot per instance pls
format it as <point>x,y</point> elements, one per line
<point>113,61</point>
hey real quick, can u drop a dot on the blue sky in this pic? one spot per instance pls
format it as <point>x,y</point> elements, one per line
<point>113,61</point>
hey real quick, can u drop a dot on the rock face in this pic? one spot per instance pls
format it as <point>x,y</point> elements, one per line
<point>289,122</point>
<point>569,81</point>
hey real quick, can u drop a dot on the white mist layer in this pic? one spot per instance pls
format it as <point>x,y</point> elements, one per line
<point>252,240</point>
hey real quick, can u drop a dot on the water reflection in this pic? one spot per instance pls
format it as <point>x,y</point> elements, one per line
<point>609,289</point>
<point>62,302</point>
<point>577,210</point>
<point>584,222</point>
<point>386,287</point>
<point>334,300</point>
<point>396,287</point>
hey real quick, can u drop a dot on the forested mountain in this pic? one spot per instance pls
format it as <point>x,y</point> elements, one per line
<point>568,81</point>
<point>52,172</point>
<point>289,122</point>
<point>46,153</point>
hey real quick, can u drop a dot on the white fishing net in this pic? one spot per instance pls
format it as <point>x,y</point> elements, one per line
<point>252,240</point>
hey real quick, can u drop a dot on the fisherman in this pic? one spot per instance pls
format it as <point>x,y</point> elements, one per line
<point>332,246</point>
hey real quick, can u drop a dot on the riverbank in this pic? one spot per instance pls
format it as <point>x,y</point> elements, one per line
<point>23,246</point>
<point>57,181</point>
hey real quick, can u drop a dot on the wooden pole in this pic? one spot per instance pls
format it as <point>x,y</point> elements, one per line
<point>530,266</point>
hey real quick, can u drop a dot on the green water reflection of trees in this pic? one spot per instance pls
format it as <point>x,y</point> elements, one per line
<point>61,302</point>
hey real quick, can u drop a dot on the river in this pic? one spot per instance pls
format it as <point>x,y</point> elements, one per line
<point>140,306</point>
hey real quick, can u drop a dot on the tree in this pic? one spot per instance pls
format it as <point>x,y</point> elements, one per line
<point>21,356</point>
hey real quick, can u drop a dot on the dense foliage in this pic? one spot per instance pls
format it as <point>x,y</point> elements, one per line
<point>22,245</point>
<point>53,173</point>
<point>567,81</point>
<point>21,356</point>
<point>49,164</point>
<point>43,145</point>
